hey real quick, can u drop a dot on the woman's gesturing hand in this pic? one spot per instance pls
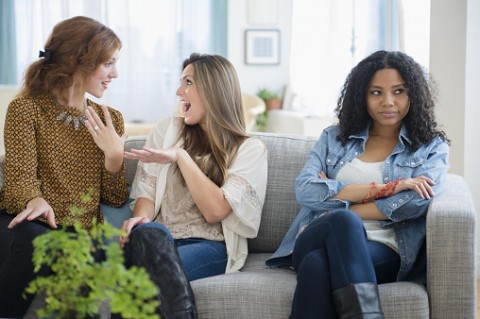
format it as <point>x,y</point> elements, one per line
<point>104,135</point>
<point>150,155</point>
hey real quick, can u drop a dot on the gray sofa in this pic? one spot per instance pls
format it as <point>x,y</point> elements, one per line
<point>259,292</point>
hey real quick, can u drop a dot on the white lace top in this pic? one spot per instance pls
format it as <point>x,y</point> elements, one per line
<point>244,188</point>
<point>180,214</point>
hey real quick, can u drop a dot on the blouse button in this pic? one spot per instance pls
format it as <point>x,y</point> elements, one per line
<point>394,205</point>
<point>341,162</point>
<point>385,178</point>
<point>412,163</point>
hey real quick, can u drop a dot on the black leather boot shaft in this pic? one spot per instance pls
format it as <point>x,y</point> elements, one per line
<point>153,250</point>
<point>358,301</point>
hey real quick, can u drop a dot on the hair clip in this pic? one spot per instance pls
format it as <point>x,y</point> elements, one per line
<point>47,54</point>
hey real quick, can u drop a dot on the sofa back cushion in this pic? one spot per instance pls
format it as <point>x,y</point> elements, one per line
<point>286,156</point>
<point>135,142</point>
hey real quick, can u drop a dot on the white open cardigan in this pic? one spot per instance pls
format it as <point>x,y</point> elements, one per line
<point>244,188</point>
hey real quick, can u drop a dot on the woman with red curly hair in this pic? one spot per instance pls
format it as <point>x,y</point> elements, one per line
<point>59,144</point>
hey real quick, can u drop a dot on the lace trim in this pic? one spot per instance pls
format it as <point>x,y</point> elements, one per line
<point>146,178</point>
<point>248,192</point>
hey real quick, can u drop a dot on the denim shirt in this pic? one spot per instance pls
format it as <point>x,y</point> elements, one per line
<point>405,211</point>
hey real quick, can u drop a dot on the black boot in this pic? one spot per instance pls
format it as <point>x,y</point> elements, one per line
<point>358,301</point>
<point>152,249</point>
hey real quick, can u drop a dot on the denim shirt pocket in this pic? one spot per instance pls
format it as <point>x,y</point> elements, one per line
<point>407,166</point>
<point>335,161</point>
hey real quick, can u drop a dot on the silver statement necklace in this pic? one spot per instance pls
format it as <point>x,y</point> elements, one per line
<point>76,120</point>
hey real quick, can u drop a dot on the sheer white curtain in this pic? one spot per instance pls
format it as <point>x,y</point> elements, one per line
<point>149,65</point>
<point>329,37</point>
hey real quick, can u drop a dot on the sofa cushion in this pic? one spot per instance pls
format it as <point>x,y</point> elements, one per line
<point>258,292</point>
<point>264,293</point>
<point>404,300</point>
<point>135,142</point>
<point>286,156</point>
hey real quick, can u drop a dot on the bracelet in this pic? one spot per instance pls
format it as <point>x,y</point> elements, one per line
<point>369,196</point>
<point>389,187</point>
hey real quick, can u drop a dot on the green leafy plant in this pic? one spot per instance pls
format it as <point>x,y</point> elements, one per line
<point>261,121</point>
<point>266,94</point>
<point>78,284</point>
<point>272,101</point>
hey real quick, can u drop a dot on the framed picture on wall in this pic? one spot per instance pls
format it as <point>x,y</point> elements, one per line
<point>262,47</point>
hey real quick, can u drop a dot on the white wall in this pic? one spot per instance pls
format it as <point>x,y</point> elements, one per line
<point>472,109</point>
<point>454,52</point>
<point>253,77</point>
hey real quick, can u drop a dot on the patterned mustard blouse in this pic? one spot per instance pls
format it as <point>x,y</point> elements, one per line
<point>46,157</point>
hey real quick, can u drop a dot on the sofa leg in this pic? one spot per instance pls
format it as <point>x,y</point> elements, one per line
<point>358,301</point>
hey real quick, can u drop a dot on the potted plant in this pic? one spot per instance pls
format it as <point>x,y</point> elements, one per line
<point>261,121</point>
<point>79,285</point>
<point>272,99</point>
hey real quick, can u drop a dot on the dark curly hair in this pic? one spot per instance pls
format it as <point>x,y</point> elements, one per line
<point>352,105</point>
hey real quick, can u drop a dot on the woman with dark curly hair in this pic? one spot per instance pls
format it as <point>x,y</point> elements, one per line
<point>365,192</point>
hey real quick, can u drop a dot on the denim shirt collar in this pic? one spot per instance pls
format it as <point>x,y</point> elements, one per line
<point>403,137</point>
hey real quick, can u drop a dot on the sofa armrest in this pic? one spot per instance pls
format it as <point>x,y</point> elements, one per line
<point>451,238</point>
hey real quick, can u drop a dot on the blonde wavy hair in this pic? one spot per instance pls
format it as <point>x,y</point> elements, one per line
<point>76,45</point>
<point>219,89</point>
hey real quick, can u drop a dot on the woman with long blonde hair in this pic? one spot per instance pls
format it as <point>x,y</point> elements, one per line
<point>199,188</point>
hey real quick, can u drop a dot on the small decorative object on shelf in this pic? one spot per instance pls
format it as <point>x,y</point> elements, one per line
<point>272,99</point>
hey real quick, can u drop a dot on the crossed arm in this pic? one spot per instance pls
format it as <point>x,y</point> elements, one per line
<point>357,193</point>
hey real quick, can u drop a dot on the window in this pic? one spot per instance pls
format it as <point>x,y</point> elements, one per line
<point>157,36</point>
<point>329,37</point>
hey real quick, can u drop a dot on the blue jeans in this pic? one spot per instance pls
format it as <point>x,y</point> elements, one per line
<point>331,253</point>
<point>200,257</point>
